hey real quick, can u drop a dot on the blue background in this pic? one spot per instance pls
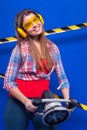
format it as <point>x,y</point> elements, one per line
<point>72,45</point>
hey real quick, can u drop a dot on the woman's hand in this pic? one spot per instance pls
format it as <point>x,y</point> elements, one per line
<point>29,106</point>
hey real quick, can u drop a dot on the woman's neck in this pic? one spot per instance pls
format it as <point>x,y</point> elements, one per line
<point>35,38</point>
<point>38,46</point>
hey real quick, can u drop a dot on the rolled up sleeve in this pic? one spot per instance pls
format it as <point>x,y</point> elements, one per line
<point>62,78</point>
<point>12,69</point>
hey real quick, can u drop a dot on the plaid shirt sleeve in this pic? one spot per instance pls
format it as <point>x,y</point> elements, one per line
<point>12,69</point>
<point>62,78</point>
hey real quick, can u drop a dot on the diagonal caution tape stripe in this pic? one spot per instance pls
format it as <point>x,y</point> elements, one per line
<point>50,32</point>
<point>82,106</point>
<point>2,76</point>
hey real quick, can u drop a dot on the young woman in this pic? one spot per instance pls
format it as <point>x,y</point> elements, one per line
<point>28,73</point>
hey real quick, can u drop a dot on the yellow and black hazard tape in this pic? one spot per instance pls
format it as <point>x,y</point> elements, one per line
<point>2,76</point>
<point>49,32</point>
<point>82,106</point>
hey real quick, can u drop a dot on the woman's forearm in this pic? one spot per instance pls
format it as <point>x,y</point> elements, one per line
<point>65,92</point>
<point>15,92</point>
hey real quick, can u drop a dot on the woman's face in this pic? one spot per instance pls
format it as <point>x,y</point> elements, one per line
<point>32,25</point>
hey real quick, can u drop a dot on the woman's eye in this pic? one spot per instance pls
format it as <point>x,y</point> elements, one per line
<point>28,24</point>
<point>35,19</point>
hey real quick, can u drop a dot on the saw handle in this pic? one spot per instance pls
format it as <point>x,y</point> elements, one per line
<point>36,101</point>
<point>72,103</point>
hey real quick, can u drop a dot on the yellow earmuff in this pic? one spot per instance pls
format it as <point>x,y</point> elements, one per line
<point>23,33</point>
<point>41,18</point>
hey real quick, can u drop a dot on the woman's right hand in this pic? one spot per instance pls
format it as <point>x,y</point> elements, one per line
<point>29,106</point>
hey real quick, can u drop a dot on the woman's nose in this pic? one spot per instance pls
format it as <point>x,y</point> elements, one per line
<point>34,24</point>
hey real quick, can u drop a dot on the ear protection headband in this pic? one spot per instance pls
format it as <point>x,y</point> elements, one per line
<point>23,33</point>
